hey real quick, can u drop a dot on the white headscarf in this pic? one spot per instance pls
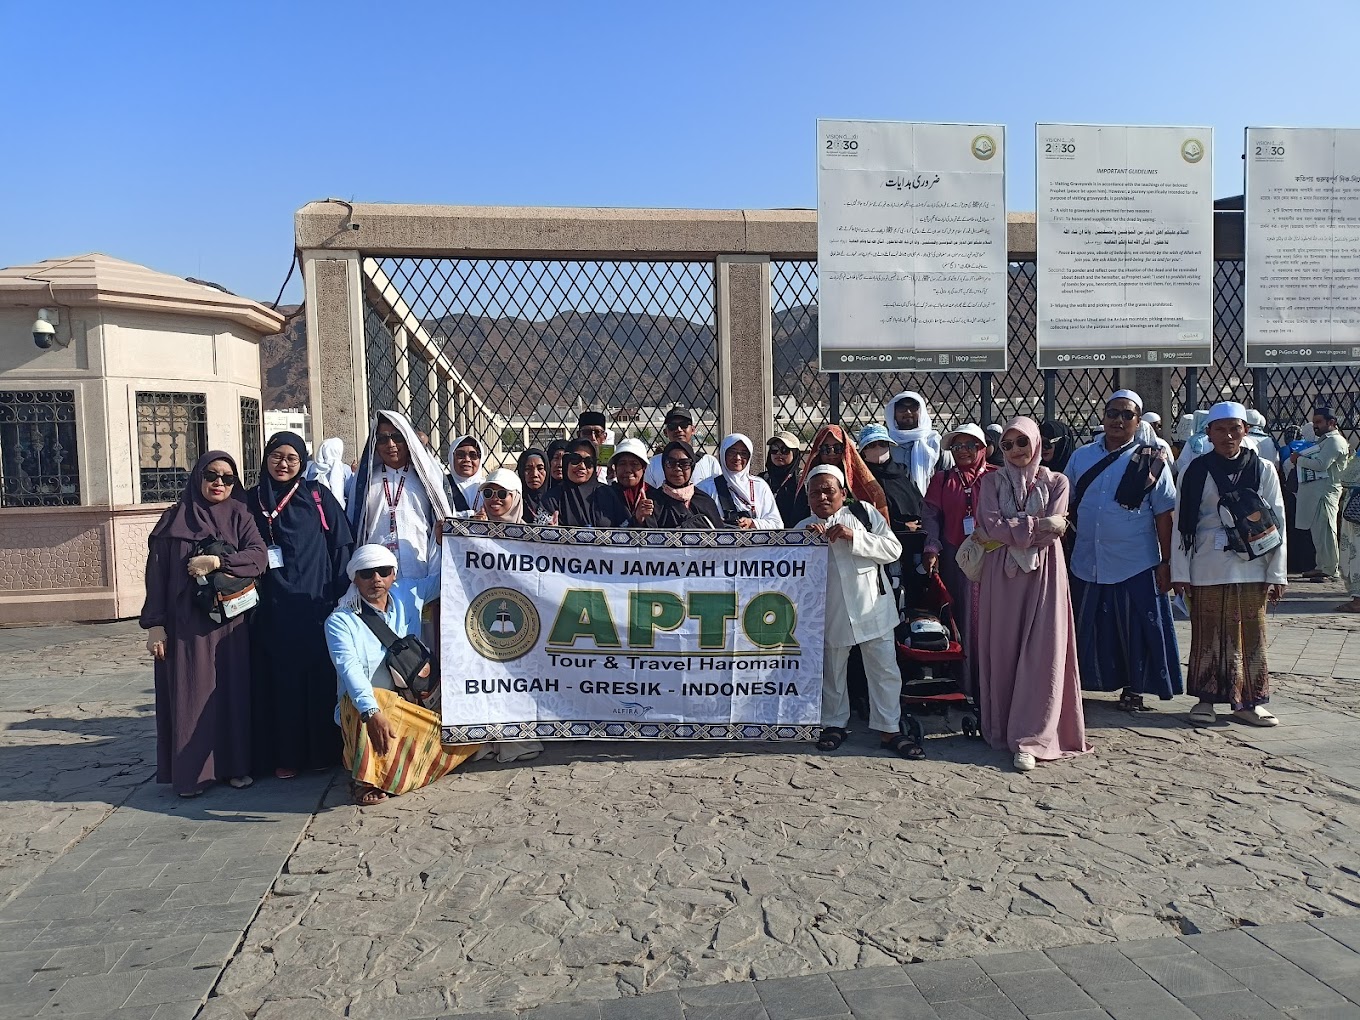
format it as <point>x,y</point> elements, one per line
<point>510,482</point>
<point>924,440</point>
<point>470,485</point>
<point>365,557</point>
<point>329,468</point>
<point>738,482</point>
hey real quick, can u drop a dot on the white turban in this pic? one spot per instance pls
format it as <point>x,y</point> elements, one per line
<point>1126,395</point>
<point>372,555</point>
<point>1152,418</point>
<point>826,469</point>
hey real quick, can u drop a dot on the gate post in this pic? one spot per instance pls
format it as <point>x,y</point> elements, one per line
<point>337,369</point>
<point>745,348</point>
<point>985,411</point>
<point>1050,393</point>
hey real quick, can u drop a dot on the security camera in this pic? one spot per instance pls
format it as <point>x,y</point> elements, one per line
<point>44,333</point>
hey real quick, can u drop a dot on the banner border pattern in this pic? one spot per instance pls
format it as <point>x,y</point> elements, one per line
<point>625,538</point>
<point>624,729</point>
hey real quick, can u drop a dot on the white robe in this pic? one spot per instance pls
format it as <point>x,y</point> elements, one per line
<point>859,600</point>
<point>766,512</point>
<point>417,543</point>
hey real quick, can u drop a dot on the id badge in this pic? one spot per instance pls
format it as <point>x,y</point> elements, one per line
<point>275,557</point>
<point>1220,540</point>
<point>967,526</point>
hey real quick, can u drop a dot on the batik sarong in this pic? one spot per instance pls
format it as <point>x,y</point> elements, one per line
<point>1228,644</point>
<point>415,758</point>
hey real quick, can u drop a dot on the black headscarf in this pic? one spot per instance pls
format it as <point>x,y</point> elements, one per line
<point>533,498</point>
<point>553,447</point>
<point>1241,469</point>
<point>193,518</point>
<point>588,504</point>
<point>783,482</point>
<point>1063,444</point>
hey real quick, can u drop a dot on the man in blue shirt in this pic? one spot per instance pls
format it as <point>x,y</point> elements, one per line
<point>1123,496</point>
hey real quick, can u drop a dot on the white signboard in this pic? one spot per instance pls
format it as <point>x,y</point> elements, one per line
<point>1125,240</point>
<point>911,246</point>
<point>566,633</point>
<point>1302,300</point>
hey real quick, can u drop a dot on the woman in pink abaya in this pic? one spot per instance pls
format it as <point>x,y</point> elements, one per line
<point>1030,690</point>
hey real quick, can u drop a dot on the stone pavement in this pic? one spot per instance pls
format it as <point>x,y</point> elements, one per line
<point>1174,872</point>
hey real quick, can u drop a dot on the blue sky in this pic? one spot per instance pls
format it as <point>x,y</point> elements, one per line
<point>184,136</point>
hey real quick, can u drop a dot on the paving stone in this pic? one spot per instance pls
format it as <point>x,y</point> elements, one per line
<point>156,954</point>
<point>1233,1006</point>
<point>743,1010</point>
<point>653,1006</point>
<point>951,979</point>
<point>996,1007</point>
<point>564,1011</point>
<point>171,984</point>
<point>900,1002</point>
<point>1346,1012</point>
<point>1015,963</point>
<point>868,977</point>
<point>1231,950</point>
<point>93,994</point>
<point>1323,958</point>
<point>1139,1000</point>
<point>1286,986</point>
<point>24,999</point>
<point>17,968</point>
<point>1092,965</point>
<point>1188,974</point>
<point>82,961</point>
<point>723,994</point>
<point>1043,992</point>
<point>797,998</point>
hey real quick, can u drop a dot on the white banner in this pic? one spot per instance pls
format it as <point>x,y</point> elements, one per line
<point>573,633</point>
<point>1125,245</point>
<point>1302,293</point>
<point>911,246</point>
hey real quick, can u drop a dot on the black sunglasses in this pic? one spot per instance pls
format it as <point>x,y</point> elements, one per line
<point>1021,443</point>
<point>579,458</point>
<point>1119,414</point>
<point>779,448</point>
<point>966,446</point>
<point>679,462</point>
<point>368,573</point>
<point>494,492</point>
<point>225,477</point>
<point>383,438</point>
<point>831,449</point>
<point>468,454</point>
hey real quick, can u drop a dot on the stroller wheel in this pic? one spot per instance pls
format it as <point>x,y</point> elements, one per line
<point>911,728</point>
<point>969,726</point>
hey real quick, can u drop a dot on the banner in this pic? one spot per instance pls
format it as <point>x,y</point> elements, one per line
<point>911,246</point>
<point>578,633</point>
<point>1124,229</point>
<point>1301,303</point>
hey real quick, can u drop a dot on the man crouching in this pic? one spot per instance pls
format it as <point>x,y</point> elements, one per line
<point>860,610</point>
<point>391,739</point>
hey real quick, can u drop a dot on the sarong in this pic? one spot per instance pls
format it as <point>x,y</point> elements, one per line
<point>1228,644</point>
<point>415,759</point>
<point>1126,638</point>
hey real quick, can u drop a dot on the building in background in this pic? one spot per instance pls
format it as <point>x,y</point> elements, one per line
<point>103,412</point>
<point>289,419</point>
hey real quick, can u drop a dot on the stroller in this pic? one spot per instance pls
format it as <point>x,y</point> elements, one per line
<point>930,655</point>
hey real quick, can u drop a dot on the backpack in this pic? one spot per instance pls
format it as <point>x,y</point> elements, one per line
<point>1252,527</point>
<point>220,595</point>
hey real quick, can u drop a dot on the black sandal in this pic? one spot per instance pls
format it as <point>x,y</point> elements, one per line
<point>832,738</point>
<point>904,747</point>
<point>1130,702</point>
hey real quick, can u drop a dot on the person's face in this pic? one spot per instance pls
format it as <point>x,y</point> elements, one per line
<point>283,464</point>
<point>966,451</point>
<point>466,460</point>
<point>497,500</point>
<point>825,496</point>
<point>907,413</point>
<point>875,453</point>
<point>778,454</point>
<point>829,451</point>
<point>628,470</point>
<point>592,432</point>
<point>1226,436</point>
<point>1121,421</point>
<point>372,583</point>
<point>1015,448</point>
<point>678,468</point>
<point>557,465</point>
<point>1322,425</point>
<point>580,466</point>
<point>391,445</point>
<point>679,432</point>
<point>535,472</point>
<point>736,458</point>
<point>218,480</point>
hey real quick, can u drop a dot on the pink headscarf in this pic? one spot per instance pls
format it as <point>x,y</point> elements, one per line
<point>1022,478</point>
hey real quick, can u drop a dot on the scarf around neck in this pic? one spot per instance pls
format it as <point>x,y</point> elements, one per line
<point>924,441</point>
<point>1238,470</point>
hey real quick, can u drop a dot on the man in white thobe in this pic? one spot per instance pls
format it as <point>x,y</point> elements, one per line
<point>1319,495</point>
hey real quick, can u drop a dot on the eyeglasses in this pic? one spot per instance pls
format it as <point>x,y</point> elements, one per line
<point>683,463</point>
<point>368,573</point>
<point>739,451</point>
<point>283,458</point>
<point>593,433</point>
<point>225,477</point>
<point>492,492</point>
<point>778,450</point>
<point>1119,414</point>
<point>677,426</point>
<point>383,438</point>
<point>831,449</point>
<point>966,446</point>
<point>466,455</point>
<point>578,458</point>
<point>1022,443</point>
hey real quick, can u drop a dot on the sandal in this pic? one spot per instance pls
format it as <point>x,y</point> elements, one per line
<point>832,738</point>
<point>240,782</point>
<point>1203,714</point>
<point>903,746</point>
<point>1130,702</point>
<point>365,795</point>
<point>285,773</point>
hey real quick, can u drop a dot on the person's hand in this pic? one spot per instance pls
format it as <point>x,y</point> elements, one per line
<point>155,643</point>
<point>1274,592</point>
<point>202,566</point>
<point>645,508</point>
<point>556,516</point>
<point>1056,525</point>
<point>911,525</point>
<point>931,561</point>
<point>1181,588</point>
<point>839,532</point>
<point>380,734</point>
<point>480,515</point>
<point>745,523</point>
<point>1163,575</point>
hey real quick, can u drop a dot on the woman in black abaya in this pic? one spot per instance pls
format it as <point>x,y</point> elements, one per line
<point>581,500</point>
<point>293,681</point>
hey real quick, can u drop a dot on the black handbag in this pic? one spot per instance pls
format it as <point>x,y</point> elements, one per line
<point>220,595</point>
<point>413,668</point>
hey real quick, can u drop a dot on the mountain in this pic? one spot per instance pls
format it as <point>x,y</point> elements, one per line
<point>283,363</point>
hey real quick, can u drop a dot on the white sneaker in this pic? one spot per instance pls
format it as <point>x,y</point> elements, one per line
<point>1024,762</point>
<point>1257,716</point>
<point>1203,714</point>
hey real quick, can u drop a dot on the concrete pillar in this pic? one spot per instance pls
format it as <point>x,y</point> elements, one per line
<point>1154,386</point>
<point>745,352</point>
<point>337,369</point>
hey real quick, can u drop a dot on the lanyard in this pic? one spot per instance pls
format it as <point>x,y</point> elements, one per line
<point>967,493</point>
<point>1022,505</point>
<point>393,503</point>
<point>271,516</point>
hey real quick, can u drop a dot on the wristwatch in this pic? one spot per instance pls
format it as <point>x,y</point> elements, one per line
<point>366,716</point>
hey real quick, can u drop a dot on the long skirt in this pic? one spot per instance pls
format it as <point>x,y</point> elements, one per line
<point>1126,639</point>
<point>1228,644</point>
<point>964,594</point>
<point>415,759</point>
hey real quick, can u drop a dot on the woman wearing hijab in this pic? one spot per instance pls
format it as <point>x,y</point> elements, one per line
<point>629,465</point>
<point>829,446</point>
<point>1058,443</point>
<point>293,681</point>
<point>744,501</point>
<point>950,512</point>
<point>202,668</point>
<point>533,472</point>
<point>1225,592</point>
<point>501,498</point>
<point>907,419</point>
<point>329,468</point>
<point>1028,679</point>
<point>557,449</point>
<point>465,474</point>
<point>680,505</point>
<point>993,434</point>
<point>581,500</point>
<point>783,455</point>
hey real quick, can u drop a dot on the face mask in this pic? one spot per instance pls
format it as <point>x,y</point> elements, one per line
<point>877,456</point>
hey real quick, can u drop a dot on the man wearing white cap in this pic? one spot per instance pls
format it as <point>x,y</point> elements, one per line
<point>860,610</point>
<point>391,740</point>
<point>1319,498</point>
<point>1228,560</point>
<point>1121,509</point>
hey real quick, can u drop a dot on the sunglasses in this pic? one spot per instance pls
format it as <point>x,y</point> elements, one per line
<point>778,449</point>
<point>383,438</point>
<point>684,463</point>
<point>579,458</point>
<point>677,426</point>
<point>966,446</point>
<point>466,455</point>
<point>368,573</point>
<point>1050,443</point>
<point>595,433</point>
<point>492,492</point>
<point>1015,444</point>
<point>1119,414</point>
<point>225,477</point>
<point>831,449</point>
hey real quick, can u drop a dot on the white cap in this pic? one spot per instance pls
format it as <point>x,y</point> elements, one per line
<point>372,555</point>
<point>1126,395</point>
<point>505,478</point>
<point>1225,411</point>
<point>1255,418</point>
<point>1152,418</point>
<point>827,469</point>
<point>964,430</point>
<point>635,447</point>
<point>995,431</point>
